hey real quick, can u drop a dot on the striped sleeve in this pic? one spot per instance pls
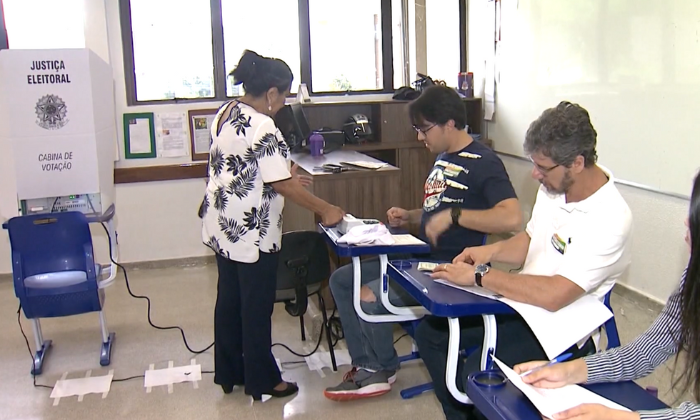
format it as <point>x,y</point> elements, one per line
<point>640,357</point>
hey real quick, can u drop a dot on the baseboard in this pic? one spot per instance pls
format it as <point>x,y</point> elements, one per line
<point>639,297</point>
<point>171,263</point>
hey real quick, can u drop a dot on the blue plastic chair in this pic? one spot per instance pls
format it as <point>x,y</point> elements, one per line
<point>55,274</point>
<point>610,331</point>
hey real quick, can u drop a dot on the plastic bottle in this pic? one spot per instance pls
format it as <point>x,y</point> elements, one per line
<point>316,144</point>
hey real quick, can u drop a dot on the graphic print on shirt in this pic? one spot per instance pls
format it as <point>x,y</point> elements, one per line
<point>437,183</point>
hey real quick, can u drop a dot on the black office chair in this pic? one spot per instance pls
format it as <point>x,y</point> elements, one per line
<point>304,265</point>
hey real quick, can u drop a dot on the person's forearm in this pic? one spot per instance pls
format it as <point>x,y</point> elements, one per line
<point>414,216</point>
<point>499,219</point>
<point>533,290</point>
<point>293,190</point>
<point>512,250</point>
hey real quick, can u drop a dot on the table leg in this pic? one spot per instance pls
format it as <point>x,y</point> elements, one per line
<point>488,348</point>
<point>356,288</point>
<point>408,313</point>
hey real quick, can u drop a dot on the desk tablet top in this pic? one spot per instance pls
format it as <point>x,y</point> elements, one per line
<point>345,250</point>
<point>508,403</point>
<point>439,299</point>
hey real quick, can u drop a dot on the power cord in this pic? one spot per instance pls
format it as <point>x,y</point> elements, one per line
<point>184,339</point>
<point>148,300</point>
<point>31,356</point>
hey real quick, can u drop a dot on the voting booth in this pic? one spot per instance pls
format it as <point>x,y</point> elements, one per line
<point>57,126</point>
<point>60,126</point>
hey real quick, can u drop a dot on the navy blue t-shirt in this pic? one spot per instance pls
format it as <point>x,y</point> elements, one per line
<point>474,179</point>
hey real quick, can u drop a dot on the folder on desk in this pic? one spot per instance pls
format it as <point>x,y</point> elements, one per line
<point>552,401</point>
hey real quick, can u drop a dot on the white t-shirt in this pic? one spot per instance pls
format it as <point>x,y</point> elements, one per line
<point>586,242</point>
<point>242,212</point>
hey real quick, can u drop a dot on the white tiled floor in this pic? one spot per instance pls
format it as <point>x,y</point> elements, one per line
<point>185,297</point>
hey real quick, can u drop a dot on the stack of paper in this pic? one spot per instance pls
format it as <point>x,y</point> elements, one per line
<point>365,164</point>
<point>553,401</point>
<point>407,240</point>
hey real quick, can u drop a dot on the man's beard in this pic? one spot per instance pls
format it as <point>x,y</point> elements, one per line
<point>566,183</point>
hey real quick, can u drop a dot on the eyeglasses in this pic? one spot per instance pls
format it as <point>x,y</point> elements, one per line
<point>541,169</point>
<point>423,130</point>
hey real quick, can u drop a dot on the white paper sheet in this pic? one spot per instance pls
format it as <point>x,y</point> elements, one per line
<point>553,401</point>
<point>172,375</point>
<point>171,135</point>
<point>407,240</point>
<point>322,359</point>
<point>556,331</point>
<point>82,386</point>
<point>140,136</point>
<point>366,164</point>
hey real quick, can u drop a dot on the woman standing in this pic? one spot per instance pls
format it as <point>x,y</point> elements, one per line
<point>675,331</point>
<point>249,177</point>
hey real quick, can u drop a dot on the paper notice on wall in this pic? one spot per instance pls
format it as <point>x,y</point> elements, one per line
<point>171,135</point>
<point>201,124</point>
<point>140,136</point>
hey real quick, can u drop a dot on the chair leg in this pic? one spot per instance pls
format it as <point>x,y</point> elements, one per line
<point>42,348</point>
<point>327,327</point>
<point>107,341</point>
<point>303,330</point>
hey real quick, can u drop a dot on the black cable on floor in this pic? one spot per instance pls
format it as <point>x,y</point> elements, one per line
<point>31,355</point>
<point>148,301</point>
<point>337,335</point>
<point>318,344</point>
<point>397,340</point>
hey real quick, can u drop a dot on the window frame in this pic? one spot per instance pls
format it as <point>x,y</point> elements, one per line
<point>4,43</point>
<point>304,50</point>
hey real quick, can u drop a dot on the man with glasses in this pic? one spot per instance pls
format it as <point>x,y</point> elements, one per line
<point>576,243</point>
<point>467,195</point>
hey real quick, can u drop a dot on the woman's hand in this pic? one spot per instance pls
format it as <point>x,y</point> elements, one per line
<point>304,180</point>
<point>595,412</point>
<point>332,216</point>
<point>555,376</point>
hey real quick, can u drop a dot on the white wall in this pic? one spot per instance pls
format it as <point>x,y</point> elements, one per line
<point>658,245</point>
<point>657,238</point>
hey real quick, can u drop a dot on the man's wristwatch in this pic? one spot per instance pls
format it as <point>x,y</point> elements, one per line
<point>479,272</point>
<point>455,212</point>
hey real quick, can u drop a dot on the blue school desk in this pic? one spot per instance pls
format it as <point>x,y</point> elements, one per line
<point>448,302</point>
<point>506,402</point>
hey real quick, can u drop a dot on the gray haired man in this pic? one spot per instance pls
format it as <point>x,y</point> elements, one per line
<point>575,244</point>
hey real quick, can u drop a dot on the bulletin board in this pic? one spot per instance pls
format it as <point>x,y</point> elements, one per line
<point>200,123</point>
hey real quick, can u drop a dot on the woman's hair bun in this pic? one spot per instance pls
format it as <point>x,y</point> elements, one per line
<point>247,67</point>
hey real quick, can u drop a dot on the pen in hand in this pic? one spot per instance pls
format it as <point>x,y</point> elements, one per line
<point>556,360</point>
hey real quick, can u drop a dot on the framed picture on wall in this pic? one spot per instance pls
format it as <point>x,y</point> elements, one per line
<point>201,121</point>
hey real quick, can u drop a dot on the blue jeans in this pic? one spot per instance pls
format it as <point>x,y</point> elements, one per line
<point>371,345</point>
